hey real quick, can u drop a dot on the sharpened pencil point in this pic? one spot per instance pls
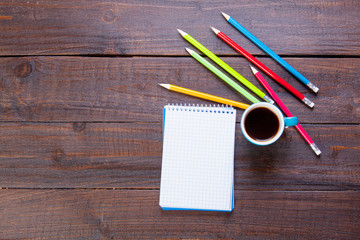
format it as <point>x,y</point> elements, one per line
<point>167,86</point>
<point>189,50</point>
<point>227,17</point>
<point>215,30</point>
<point>253,70</point>
<point>182,32</point>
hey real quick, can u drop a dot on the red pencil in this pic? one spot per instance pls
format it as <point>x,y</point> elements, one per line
<point>260,65</point>
<point>285,110</point>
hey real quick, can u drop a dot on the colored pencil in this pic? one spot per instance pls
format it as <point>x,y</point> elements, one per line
<point>260,65</point>
<point>271,53</point>
<point>285,110</point>
<point>204,96</point>
<point>222,76</point>
<point>222,64</point>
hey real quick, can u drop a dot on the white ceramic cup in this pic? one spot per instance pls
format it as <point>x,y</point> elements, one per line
<point>283,121</point>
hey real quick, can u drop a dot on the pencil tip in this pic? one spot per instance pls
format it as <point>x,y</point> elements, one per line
<point>215,30</point>
<point>253,69</point>
<point>182,32</point>
<point>227,17</point>
<point>189,50</point>
<point>167,86</point>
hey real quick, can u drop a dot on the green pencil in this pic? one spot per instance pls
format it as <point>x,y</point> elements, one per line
<point>222,76</point>
<point>226,67</point>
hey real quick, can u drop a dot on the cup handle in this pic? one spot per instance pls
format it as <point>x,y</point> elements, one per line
<point>291,121</point>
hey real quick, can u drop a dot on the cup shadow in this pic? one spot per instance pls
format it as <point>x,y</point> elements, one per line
<point>262,160</point>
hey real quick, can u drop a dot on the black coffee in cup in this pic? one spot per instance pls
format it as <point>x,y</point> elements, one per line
<point>261,124</point>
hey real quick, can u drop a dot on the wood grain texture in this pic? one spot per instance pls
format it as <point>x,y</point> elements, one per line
<point>76,89</point>
<point>128,155</point>
<point>149,28</point>
<point>113,214</point>
<point>81,118</point>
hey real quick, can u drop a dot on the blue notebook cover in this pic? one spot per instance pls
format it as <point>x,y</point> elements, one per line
<point>198,158</point>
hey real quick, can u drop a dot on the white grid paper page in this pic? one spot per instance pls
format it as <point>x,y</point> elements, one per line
<point>198,158</point>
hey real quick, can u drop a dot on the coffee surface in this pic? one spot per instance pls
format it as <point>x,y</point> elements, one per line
<point>261,124</point>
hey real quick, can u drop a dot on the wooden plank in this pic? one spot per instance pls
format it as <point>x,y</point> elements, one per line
<point>107,214</point>
<point>72,89</point>
<point>136,28</point>
<point>128,155</point>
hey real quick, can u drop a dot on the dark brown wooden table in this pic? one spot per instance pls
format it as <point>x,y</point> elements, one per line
<point>81,118</point>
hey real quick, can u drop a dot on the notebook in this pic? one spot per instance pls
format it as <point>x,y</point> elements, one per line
<point>197,170</point>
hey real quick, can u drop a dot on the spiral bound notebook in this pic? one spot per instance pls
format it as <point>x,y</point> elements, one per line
<point>198,158</point>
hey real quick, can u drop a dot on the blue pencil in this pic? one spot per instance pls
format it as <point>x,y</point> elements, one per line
<point>271,53</point>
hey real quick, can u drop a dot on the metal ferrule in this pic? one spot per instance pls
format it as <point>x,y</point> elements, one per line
<point>268,99</point>
<point>313,87</point>
<point>315,149</point>
<point>308,102</point>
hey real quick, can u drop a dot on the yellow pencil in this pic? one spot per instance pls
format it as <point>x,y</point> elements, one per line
<point>204,96</point>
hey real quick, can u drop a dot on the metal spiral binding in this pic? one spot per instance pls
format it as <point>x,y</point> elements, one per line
<point>207,108</point>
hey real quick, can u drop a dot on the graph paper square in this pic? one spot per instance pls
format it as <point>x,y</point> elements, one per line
<point>198,158</point>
